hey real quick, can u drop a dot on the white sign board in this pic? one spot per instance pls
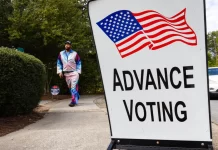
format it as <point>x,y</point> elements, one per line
<point>152,55</point>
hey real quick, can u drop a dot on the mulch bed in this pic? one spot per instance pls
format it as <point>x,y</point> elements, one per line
<point>59,97</point>
<point>11,124</point>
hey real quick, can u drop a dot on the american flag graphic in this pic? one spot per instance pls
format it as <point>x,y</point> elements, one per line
<point>131,32</point>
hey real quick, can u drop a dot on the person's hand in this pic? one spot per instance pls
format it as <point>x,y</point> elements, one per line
<point>61,75</point>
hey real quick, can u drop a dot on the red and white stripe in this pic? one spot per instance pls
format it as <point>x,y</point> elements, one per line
<point>163,31</point>
<point>132,44</point>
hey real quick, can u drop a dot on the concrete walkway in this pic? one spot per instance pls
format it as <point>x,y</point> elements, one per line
<point>84,127</point>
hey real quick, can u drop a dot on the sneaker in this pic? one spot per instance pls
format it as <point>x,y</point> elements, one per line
<point>71,105</point>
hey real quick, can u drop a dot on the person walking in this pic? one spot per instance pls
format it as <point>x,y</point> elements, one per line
<point>69,67</point>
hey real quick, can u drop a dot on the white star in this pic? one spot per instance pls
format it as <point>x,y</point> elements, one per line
<point>120,16</point>
<point>128,29</point>
<point>127,22</point>
<point>133,27</point>
<point>132,30</point>
<point>119,20</point>
<point>118,34</point>
<point>105,27</point>
<point>131,23</point>
<point>108,27</point>
<point>121,27</point>
<point>128,15</point>
<point>127,12</point>
<point>128,19</point>
<point>116,15</point>
<point>122,21</point>
<point>115,18</point>
<point>112,17</point>
<point>114,40</point>
<point>120,31</point>
<point>132,20</point>
<point>124,14</point>
<point>127,32</point>
<point>114,22</point>
<point>135,24</point>
<point>112,28</point>
<point>102,23</point>
<point>106,19</point>
<point>117,37</point>
<point>121,24</point>
<point>115,33</point>
<point>123,32</point>
<point>125,25</point>
<point>113,25</point>
<point>121,13</point>
<point>109,24</point>
<point>105,24</point>
<point>110,35</point>
<point>111,32</point>
<point>122,35</point>
<point>129,26</point>
<point>118,23</point>
<point>138,28</point>
<point>124,28</point>
<point>113,36</point>
<point>124,17</point>
<point>110,20</point>
<point>116,30</point>
<point>107,31</point>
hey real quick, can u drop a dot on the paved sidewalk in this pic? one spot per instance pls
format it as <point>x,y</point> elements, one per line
<point>44,102</point>
<point>84,127</point>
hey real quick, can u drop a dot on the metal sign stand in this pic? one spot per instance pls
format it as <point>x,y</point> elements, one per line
<point>117,144</point>
<point>53,96</point>
<point>112,145</point>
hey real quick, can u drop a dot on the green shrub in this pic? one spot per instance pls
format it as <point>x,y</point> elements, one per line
<point>22,79</point>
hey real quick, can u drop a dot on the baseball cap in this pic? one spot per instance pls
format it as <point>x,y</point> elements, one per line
<point>68,42</point>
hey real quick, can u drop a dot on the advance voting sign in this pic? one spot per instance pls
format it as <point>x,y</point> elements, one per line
<point>152,56</point>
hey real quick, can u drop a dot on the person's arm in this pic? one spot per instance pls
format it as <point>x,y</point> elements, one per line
<point>78,64</point>
<point>59,66</point>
